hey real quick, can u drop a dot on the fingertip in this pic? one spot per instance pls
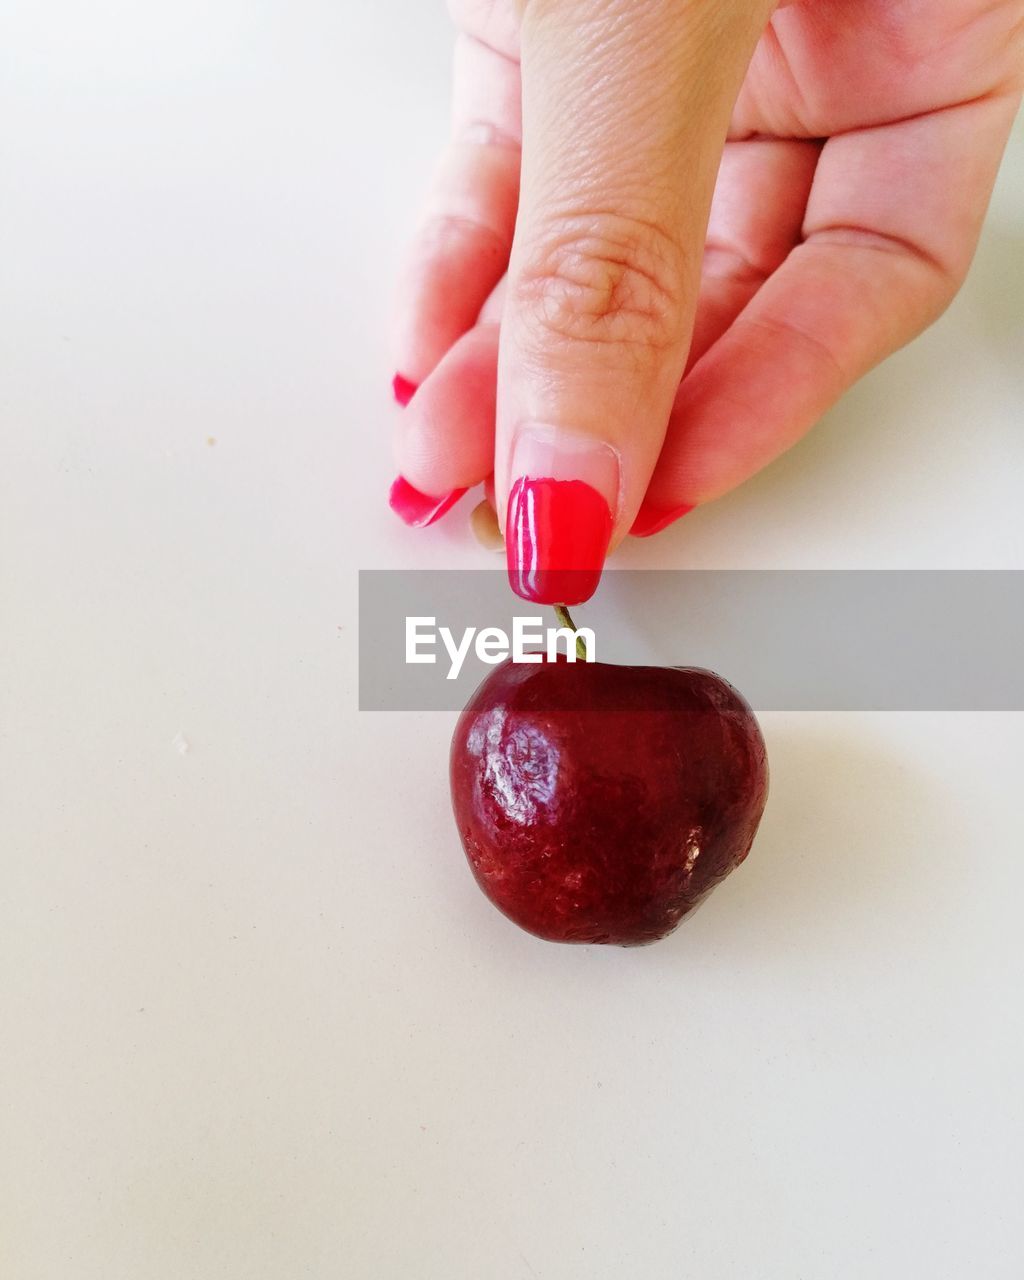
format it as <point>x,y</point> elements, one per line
<point>651,519</point>
<point>445,437</point>
<point>403,389</point>
<point>557,534</point>
<point>417,509</point>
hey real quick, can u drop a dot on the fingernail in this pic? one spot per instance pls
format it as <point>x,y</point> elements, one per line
<point>650,519</point>
<point>403,389</point>
<point>559,519</point>
<point>484,524</point>
<point>420,509</point>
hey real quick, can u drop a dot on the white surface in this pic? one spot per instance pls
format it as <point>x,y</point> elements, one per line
<point>256,1019</point>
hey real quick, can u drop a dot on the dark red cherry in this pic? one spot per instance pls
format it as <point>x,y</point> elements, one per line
<point>599,803</point>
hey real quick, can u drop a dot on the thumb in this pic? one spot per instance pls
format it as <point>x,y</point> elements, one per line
<point>626,107</point>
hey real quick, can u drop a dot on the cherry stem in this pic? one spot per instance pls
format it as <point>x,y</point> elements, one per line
<point>565,620</point>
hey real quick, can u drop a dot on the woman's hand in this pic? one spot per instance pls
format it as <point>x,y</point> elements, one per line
<point>668,234</point>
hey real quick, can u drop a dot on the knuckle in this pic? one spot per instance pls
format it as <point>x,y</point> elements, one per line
<point>493,23</point>
<point>443,231</point>
<point>604,279</point>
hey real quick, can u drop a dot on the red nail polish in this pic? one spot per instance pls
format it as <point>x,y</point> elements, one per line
<point>403,389</point>
<point>420,509</point>
<point>651,520</point>
<point>556,534</point>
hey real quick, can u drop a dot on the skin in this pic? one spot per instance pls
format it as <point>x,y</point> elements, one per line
<point>685,227</point>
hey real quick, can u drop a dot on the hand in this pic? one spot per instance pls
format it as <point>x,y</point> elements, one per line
<point>668,234</point>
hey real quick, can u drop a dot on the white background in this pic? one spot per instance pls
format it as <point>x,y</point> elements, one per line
<point>255,1018</point>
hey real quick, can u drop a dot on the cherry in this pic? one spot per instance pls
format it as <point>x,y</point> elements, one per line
<point>601,803</point>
